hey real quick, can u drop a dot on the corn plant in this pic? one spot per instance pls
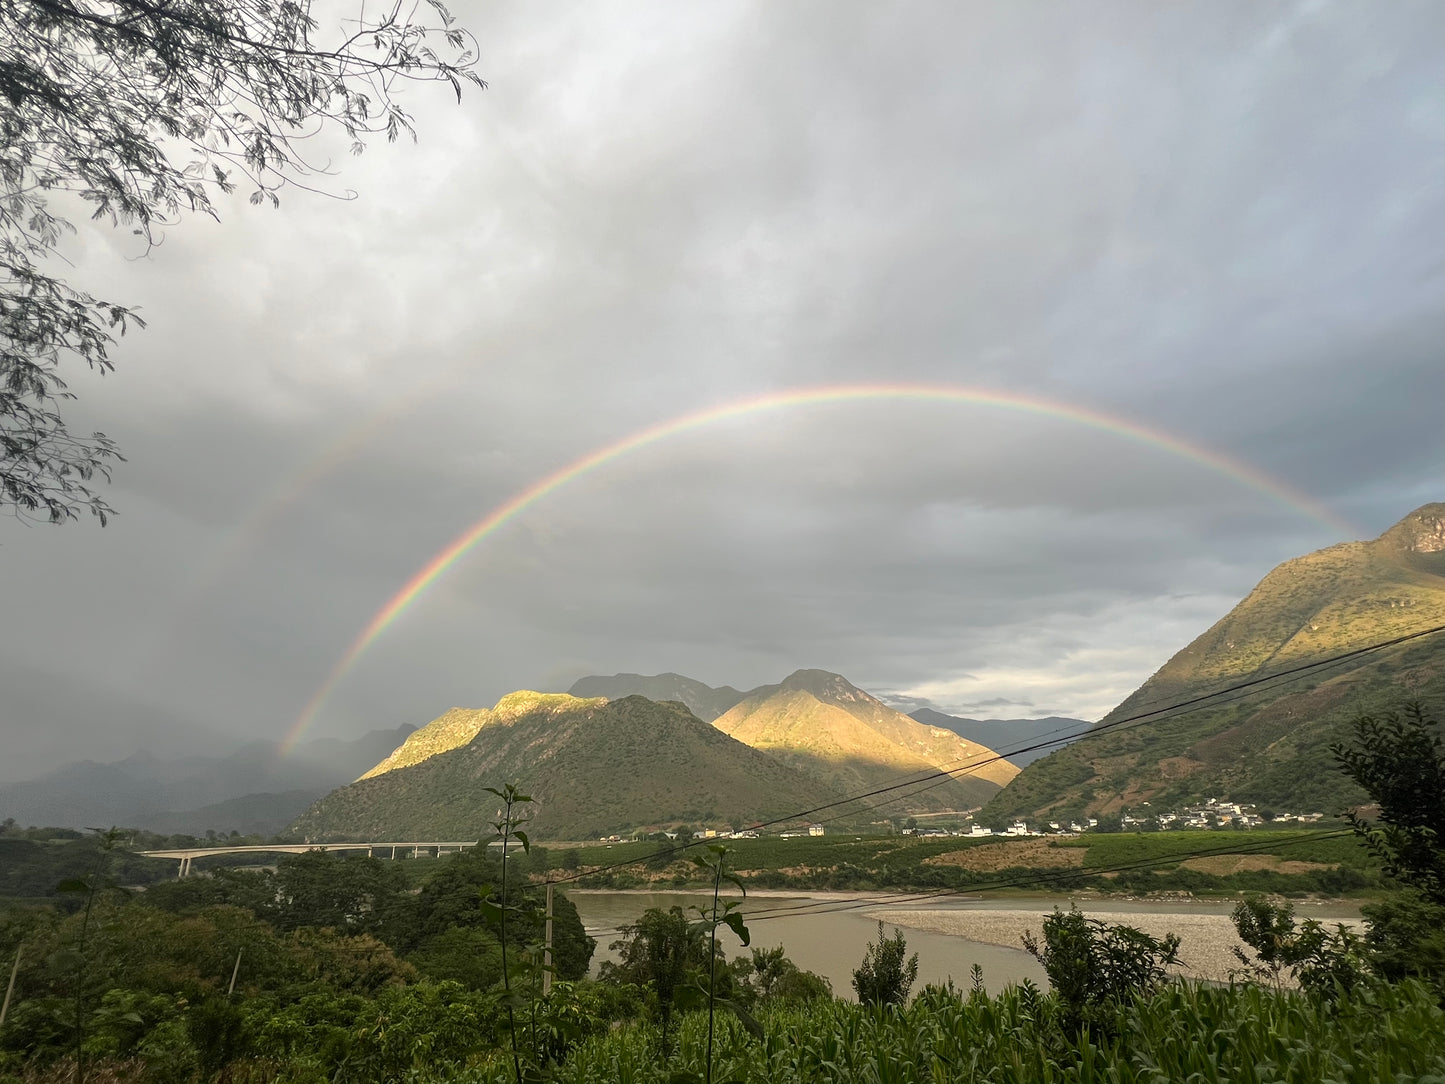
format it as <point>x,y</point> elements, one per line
<point>508,826</point>
<point>714,863</point>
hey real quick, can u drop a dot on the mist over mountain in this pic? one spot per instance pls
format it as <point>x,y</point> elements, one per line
<point>1270,747</point>
<point>255,788</point>
<point>1003,735</point>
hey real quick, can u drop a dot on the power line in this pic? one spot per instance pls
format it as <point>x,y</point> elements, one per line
<point>944,774</point>
<point>1237,691</point>
<point>1042,879</point>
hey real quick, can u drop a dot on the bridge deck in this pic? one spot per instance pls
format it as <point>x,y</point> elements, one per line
<point>302,848</point>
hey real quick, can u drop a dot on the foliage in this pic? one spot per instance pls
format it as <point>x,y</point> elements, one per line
<point>1398,758</point>
<point>714,863</point>
<point>768,977</point>
<point>142,110</point>
<point>1405,938</point>
<point>1326,963</point>
<point>887,973</point>
<point>658,953</point>
<point>32,864</point>
<point>468,955</point>
<point>1183,1032</point>
<point>508,826</point>
<point>1095,968</point>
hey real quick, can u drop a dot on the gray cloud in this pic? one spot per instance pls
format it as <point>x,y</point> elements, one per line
<point>1222,222</point>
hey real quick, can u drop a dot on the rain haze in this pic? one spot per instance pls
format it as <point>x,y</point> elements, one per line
<point>1163,285</point>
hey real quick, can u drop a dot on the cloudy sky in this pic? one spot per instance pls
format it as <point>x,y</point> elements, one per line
<point>1219,222</point>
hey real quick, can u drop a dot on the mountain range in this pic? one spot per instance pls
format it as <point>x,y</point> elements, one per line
<point>631,750</point>
<point>1268,745</point>
<point>702,700</point>
<point>254,789</point>
<point>592,767</point>
<point>599,765</point>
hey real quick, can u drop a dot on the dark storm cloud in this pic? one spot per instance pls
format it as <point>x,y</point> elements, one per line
<point>1223,221</point>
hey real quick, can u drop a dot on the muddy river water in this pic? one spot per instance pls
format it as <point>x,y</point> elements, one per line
<point>828,934</point>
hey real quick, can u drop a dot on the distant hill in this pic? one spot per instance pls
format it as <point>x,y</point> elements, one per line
<point>702,700</point>
<point>1003,735</point>
<point>821,725</point>
<point>593,766</point>
<point>1271,747</point>
<point>262,814</point>
<point>255,786</point>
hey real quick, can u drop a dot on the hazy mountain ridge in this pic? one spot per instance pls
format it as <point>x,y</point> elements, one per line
<point>701,699</point>
<point>1002,735</point>
<point>1271,748</point>
<point>593,766</point>
<point>822,725</point>
<point>144,791</point>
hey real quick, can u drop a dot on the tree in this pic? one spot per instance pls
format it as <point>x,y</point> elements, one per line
<point>142,109</point>
<point>1095,968</point>
<point>1399,760</point>
<point>1322,962</point>
<point>659,951</point>
<point>883,978</point>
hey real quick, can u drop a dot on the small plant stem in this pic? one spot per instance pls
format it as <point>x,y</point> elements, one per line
<point>506,978</point>
<point>712,966</point>
<point>547,950</point>
<point>10,989</point>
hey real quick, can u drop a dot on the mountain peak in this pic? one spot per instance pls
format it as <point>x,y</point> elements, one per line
<point>823,684</point>
<point>1422,531</point>
<point>525,702</point>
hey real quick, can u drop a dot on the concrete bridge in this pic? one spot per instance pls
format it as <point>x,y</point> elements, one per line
<point>184,855</point>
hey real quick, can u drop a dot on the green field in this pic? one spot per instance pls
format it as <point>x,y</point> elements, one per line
<point>1126,862</point>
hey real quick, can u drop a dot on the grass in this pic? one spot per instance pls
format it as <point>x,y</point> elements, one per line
<point>1188,1032</point>
<point>902,862</point>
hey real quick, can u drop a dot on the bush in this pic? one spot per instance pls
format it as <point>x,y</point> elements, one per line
<point>1323,962</point>
<point>1095,968</point>
<point>883,978</point>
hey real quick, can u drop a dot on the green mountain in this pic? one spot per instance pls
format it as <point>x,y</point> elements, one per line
<point>702,700</point>
<point>825,727</point>
<point>594,767</point>
<point>1008,734</point>
<point>1270,747</point>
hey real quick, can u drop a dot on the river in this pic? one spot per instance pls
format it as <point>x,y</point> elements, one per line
<point>828,934</point>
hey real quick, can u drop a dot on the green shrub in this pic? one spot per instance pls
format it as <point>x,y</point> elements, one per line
<point>886,974</point>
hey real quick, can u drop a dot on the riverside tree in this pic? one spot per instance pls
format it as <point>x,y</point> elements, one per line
<point>138,111</point>
<point>1399,760</point>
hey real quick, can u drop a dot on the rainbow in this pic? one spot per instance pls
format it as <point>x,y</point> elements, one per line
<point>776,401</point>
<point>278,501</point>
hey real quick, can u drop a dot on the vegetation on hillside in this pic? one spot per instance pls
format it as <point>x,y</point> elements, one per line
<point>1270,747</point>
<point>593,767</point>
<point>825,727</point>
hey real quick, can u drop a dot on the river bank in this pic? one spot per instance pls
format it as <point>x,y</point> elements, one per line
<point>828,932</point>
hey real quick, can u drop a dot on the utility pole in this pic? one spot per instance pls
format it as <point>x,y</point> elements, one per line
<point>547,947</point>
<point>234,972</point>
<point>10,990</point>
